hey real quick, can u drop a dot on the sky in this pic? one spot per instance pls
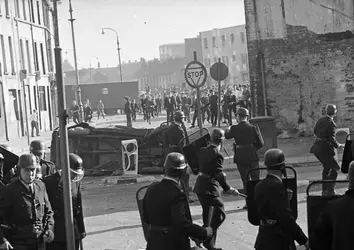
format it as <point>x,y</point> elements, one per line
<point>142,25</point>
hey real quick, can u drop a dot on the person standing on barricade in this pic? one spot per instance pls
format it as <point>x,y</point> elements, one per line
<point>210,178</point>
<point>324,148</point>
<point>166,210</point>
<point>54,185</point>
<point>248,139</point>
<point>170,106</point>
<point>175,133</point>
<point>26,210</point>
<point>46,168</point>
<point>278,228</point>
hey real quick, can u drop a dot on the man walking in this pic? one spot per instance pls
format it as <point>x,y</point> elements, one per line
<point>34,122</point>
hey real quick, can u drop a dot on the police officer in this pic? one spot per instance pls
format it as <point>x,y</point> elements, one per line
<point>175,133</point>
<point>25,207</point>
<point>278,228</point>
<point>210,178</point>
<point>54,184</point>
<point>248,140</point>
<point>336,223</point>
<point>166,210</point>
<point>323,148</point>
<point>37,148</point>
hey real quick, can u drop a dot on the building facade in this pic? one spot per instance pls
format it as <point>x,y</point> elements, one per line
<point>230,45</point>
<point>26,72</point>
<point>171,50</point>
<point>191,45</point>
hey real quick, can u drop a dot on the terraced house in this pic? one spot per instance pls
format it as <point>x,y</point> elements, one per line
<point>26,72</point>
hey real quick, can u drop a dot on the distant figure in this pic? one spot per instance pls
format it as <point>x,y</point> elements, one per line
<point>88,112</point>
<point>34,122</point>
<point>135,108</point>
<point>100,109</point>
<point>128,112</point>
<point>75,109</point>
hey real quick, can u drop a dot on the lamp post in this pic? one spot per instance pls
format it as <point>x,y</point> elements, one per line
<point>63,131</point>
<point>78,90</point>
<point>118,48</point>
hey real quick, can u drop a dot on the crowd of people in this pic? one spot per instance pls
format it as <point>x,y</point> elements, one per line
<point>32,215</point>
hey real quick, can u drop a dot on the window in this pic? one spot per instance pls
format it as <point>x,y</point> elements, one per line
<point>13,110</point>
<point>42,99</point>
<point>205,43</point>
<point>44,12</point>
<point>242,34</point>
<point>232,38</point>
<point>35,55</point>
<point>11,56</point>
<point>38,13</point>
<point>234,58</point>
<point>214,41</point>
<point>35,94</point>
<point>24,9</point>
<point>43,59</point>
<point>28,57</point>
<point>17,5</point>
<point>22,54</point>
<point>7,11</point>
<point>31,10</point>
<point>223,40</point>
<point>244,61</point>
<point>245,78</point>
<point>225,60</point>
<point>3,51</point>
<point>207,62</point>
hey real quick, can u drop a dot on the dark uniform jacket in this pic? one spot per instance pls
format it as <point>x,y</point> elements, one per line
<point>248,140</point>
<point>56,198</point>
<point>273,204</point>
<point>336,225</point>
<point>166,209</point>
<point>325,141</point>
<point>29,215</point>
<point>128,107</point>
<point>47,168</point>
<point>175,134</point>
<point>213,101</point>
<point>210,165</point>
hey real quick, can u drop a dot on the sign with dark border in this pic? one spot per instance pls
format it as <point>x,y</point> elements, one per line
<point>195,74</point>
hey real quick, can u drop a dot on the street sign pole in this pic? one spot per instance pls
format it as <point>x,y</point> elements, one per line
<point>219,95</point>
<point>198,102</point>
<point>63,132</point>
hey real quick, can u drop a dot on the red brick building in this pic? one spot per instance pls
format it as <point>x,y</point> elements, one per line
<point>301,57</point>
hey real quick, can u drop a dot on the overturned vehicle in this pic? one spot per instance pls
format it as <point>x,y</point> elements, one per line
<point>101,148</point>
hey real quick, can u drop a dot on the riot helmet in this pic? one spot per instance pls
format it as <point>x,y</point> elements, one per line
<point>243,112</point>
<point>175,165</point>
<point>29,163</point>
<point>37,148</point>
<point>331,109</point>
<point>274,159</point>
<point>217,135</point>
<point>179,116</point>
<point>76,167</point>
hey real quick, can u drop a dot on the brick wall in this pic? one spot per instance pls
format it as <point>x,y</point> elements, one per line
<point>302,73</point>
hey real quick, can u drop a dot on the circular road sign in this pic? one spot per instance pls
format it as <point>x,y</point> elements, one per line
<point>224,71</point>
<point>195,74</point>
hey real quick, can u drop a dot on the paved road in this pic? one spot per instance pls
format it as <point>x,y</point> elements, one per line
<point>113,222</point>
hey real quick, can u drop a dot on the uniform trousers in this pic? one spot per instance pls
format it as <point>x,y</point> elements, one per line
<point>214,115</point>
<point>329,172</point>
<point>206,201</point>
<point>243,170</point>
<point>55,245</point>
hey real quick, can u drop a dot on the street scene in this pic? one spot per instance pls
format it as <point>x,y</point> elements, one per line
<point>162,125</point>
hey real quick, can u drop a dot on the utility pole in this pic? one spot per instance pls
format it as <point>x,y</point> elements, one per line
<point>63,131</point>
<point>78,89</point>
